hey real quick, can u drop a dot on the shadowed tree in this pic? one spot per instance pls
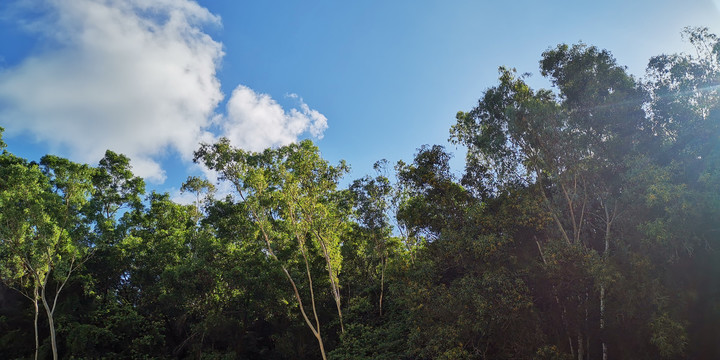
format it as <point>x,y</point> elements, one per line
<point>572,144</point>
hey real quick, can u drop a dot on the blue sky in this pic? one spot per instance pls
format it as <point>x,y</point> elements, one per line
<point>366,80</point>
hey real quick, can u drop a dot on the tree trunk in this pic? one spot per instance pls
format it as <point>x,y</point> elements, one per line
<point>382,282</point>
<point>314,329</point>
<point>316,332</point>
<point>580,345</point>
<point>51,324</point>
<point>312,299</point>
<point>587,346</point>
<point>587,337</point>
<point>560,305</point>
<point>609,218</point>
<point>602,322</point>
<point>334,288</point>
<point>37,311</point>
<point>322,347</point>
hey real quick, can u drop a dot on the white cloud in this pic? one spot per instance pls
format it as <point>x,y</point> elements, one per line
<point>137,77</point>
<point>133,76</point>
<point>256,121</point>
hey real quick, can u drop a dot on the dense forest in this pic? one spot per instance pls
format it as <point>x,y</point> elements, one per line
<point>586,225</point>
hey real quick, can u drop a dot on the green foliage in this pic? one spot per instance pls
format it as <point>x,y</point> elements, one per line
<point>584,226</point>
<point>550,353</point>
<point>668,335</point>
<point>3,145</point>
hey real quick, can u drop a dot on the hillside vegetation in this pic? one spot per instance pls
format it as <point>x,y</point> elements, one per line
<point>586,225</point>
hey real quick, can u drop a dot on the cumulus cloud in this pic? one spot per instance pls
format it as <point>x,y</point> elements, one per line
<point>137,77</point>
<point>256,121</point>
<point>134,76</point>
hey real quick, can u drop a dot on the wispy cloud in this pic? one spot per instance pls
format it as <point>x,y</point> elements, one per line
<point>138,77</point>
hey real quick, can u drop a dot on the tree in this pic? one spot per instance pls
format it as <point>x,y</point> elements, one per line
<point>40,242</point>
<point>111,212</point>
<point>117,191</point>
<point>372,199</point>
<point>197,186</point>
<point>291,197</point>
<point>571,146</point>
<point>464,292</point>
<point>679,191</point>
<point>23,224</point>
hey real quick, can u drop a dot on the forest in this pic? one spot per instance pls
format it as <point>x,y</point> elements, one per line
<point>585,225</point>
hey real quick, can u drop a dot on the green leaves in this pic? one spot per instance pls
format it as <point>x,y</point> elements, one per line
<point>585,222</point>
<point>30,234</point>
<point>3,145</point>
<point>291,198</point>
<point>669,336</point>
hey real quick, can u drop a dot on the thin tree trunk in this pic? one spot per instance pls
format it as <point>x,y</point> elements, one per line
<point>314,329</point>
<point>604,349</point>
<point>555,217</point>
<point>334,286</point>
<point>51,323</point>
<point>382,282</point>
<point>322,347</point>
<point>609,218</point>
<point>312,299</point>
<point>37,312</point>
<point>315,332</point>
<point>587,346</point>
<point>602,322</point>
<point>557,300</point>
<point>580,345</point>
<point>51,310</point>
<point>335,289</point>
<point>34,298</point>
<point>587,337</point>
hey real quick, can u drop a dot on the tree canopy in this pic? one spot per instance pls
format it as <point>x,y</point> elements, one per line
<point>584,226</point>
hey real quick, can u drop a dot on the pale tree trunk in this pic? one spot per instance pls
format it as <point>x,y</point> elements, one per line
<point>50,310</point>
<point>334,287</point>
<point>383,261</point>
<point>53,336</point>
<point>580,345</point>
<point>35,298</point>
<point>315,329</point>
<point>602,322</point>
<point>609,218</point>
<point>587,346</point>
<point>312,299</point>
<point>587,336</point>
<point>322,346</point>
<point>35,323</point>
<point>577,220</point>
<point>51,320</point>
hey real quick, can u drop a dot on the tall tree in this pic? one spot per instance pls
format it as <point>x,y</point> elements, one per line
<point>291,196</point>
<point>41,241</point>
<point>679,190</point>
<point>372,199</point>
<point>571,144</point>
